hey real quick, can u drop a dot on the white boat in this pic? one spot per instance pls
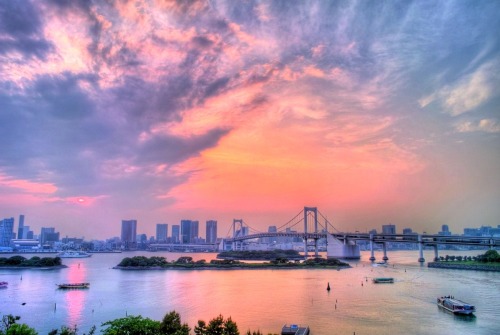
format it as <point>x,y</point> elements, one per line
<point>73,254</point>
<point>455,306</point>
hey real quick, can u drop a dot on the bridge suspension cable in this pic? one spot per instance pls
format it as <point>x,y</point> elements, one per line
<point>328,223</point>
<point>295,217</point>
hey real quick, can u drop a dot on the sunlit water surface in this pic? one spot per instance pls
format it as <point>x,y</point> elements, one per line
<point>258,299</point>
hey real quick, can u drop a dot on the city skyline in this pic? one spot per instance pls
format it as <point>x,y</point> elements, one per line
<point>375,112</point>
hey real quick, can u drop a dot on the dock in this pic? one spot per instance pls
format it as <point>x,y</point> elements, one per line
<point>295,330</point>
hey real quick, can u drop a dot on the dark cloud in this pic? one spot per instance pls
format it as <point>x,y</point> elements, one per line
<point>172,149</point>
<point>63,96</point>
<point>217,86</point>
<point>202,42</point>
<point>21,30</point>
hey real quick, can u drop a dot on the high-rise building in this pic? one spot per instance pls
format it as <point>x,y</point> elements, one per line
<point>48,236</point>
<point>189,231</point>
<point>195,226</point>
<point>20,229</point>
<point>129,234</point>
<point>185,231</point>
<point>211,231</point>
<point>161,232</point>
<point>388,229</point>
<point>6,231</point>
<point>407,231</point>
<point>176,231</point>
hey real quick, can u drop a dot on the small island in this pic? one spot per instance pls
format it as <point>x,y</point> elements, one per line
<point>160,263</point>
<point>489,261</point>
<point>20,262</point>
<point>260,255</point>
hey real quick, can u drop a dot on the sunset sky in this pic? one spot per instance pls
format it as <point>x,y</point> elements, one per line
<point>375,112</point>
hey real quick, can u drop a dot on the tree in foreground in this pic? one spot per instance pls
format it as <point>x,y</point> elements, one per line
<point>217,326</point>
<point>136,325</point>
<point>171,325</point>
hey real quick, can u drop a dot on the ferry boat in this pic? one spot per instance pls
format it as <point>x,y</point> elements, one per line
<point>295,330</point>
<point>455,306</point>
<point>3,284</point>
<point>74,285</point>
<point>73,254</point>
<point>383,280</point>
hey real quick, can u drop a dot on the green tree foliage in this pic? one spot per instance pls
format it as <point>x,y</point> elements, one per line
<point>217,326</point>
<point>20,329</point>
<point>489,257</point>
<point>132,325</point>
<point>143,261</point>
<point>10,327</point>
<point>260,254</point>
<point>32,262</point>
<point>135,325</point>
<point>171,325</point>
<point>15,260</point>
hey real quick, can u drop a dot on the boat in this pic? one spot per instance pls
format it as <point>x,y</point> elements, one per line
<point>73,254</point>
<point>3,284</point>
<point>74,285</point>
<point>455,306</point>
<point>383,280</point>
<point>294,329</point>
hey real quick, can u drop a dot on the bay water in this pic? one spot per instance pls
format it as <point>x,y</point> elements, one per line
<point>263,299</point>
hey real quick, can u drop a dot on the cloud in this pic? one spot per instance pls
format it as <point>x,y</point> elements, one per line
<point>21,30</point>
<point>468,93</point>
<point>484,125</point>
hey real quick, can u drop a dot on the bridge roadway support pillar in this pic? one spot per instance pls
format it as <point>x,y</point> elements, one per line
<point>421,258</point>
<point>337,249</point>
<point>385,258</point>
<point>372,257</point>
<point>436,255</point>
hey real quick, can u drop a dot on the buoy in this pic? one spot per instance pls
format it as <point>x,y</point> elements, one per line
<point>328,287</point>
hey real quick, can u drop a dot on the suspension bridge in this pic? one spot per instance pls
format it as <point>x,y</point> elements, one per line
<point>310,226</point>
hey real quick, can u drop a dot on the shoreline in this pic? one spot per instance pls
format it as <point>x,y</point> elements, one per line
<point>55,267</point>
<point>231,267</point>
<point>474,267</point>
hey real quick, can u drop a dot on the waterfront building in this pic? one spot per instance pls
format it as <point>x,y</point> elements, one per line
<point>20,229</point>
<point>176,232</point>
<point>161,232</point>
<point>48,237</point>
<point>129,234</point>
<point>185,231</point>
<point>211,231</point>
<point>388,229</point>
<point>6,232</point>
<point>195,226</point>
<point>445,231</point>
<point>407,231</point>
<point>189,231</point>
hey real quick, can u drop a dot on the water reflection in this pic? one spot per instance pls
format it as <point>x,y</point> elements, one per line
<point>75,298</point>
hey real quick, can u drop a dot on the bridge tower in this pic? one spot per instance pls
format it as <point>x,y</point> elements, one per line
<point>240,230</point>
<point>314,210</point>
